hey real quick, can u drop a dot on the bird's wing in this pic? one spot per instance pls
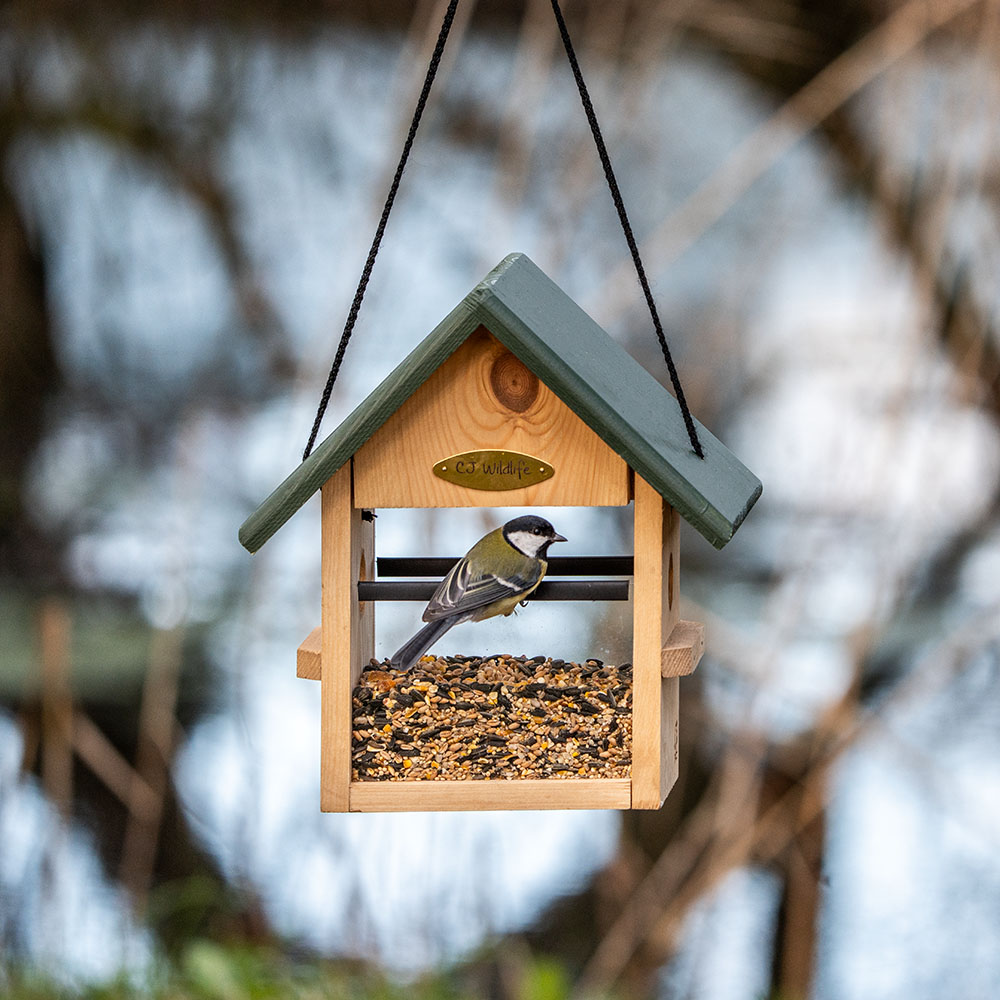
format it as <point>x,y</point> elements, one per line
<point>460,591</point>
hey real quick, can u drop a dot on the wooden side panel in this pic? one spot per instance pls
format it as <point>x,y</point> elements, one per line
<point>482,397</point>
<point>648,585</point>
<point>655,710</point>
<point>670,734</point>
<point>549,793</point>
<point>670,686</point>
<point>347,632</point>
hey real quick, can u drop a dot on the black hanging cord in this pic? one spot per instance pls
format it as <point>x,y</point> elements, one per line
<point>366,273</point>
<point>616,197</point>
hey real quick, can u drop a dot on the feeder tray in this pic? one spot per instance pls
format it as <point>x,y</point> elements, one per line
<point>517,399</point>
<point>502,718</point>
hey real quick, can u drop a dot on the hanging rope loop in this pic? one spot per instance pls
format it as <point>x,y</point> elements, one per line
<point>616,197</point>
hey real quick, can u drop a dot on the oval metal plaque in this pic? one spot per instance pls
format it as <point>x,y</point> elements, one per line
<point>493,470</point>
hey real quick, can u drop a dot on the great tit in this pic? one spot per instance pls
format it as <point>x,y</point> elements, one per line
<point>492,578</point>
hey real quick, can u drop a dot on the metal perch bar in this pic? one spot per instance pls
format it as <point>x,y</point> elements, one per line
<point>548,590</point>
<point>558,566</point>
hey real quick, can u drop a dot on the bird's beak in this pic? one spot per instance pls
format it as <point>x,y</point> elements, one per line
<point>559,538</point>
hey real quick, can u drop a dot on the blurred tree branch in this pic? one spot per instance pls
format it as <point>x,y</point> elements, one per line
<point>29,378</point>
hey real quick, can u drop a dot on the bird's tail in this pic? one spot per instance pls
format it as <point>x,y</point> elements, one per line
<point>408,654</point>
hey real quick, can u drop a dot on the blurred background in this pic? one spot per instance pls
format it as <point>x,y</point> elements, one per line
<point>188,192</point>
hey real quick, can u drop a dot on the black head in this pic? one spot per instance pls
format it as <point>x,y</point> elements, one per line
<point>531,534</point>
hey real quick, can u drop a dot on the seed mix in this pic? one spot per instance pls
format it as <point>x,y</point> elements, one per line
<point>493,718</point>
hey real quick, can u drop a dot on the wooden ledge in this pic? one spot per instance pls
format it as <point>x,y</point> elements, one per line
<point>309,659</point>
<point>678,658</point>
<point>683,650</point>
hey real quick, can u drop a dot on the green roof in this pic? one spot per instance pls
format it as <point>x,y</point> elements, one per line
<point>594,376</point>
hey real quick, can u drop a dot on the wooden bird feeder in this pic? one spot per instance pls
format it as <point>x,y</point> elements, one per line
<point>566,418</point>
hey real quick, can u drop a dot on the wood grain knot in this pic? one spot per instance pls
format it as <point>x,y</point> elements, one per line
<point>513,385</point>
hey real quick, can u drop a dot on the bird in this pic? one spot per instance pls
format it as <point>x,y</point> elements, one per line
<point>492,578</point>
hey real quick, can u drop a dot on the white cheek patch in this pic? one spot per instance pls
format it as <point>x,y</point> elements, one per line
<point>526,541</point>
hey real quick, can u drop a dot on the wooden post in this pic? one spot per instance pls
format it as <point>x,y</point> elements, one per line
<point>348,631</point>
<point>154,753</point>
<point>57,706</point>
<point>655,708</point>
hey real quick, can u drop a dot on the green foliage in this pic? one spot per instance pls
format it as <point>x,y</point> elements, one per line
<point>545,979</point>
<point>207,970</point>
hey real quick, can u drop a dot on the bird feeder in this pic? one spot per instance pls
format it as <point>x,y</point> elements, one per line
<point>517,399</point>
